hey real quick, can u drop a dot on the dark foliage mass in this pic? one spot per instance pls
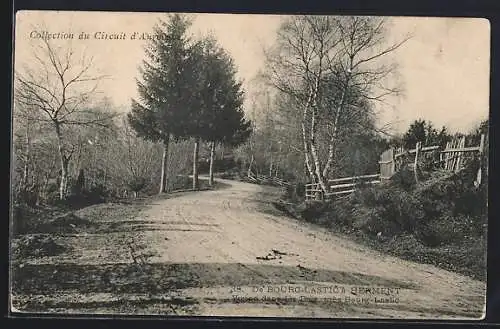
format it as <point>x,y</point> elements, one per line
<point>424,131</point>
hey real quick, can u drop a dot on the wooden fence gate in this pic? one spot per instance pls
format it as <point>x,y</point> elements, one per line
<point>387,164</point>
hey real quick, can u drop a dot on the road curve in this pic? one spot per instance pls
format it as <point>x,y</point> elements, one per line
<point>225,253</point>
<point>229,228</point>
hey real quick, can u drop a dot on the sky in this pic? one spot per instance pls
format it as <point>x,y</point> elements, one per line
<point>443,67</point>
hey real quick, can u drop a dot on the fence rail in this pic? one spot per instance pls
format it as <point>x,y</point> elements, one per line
<point>263,179</point>
<point>339,186</point>
<point>451,158</point>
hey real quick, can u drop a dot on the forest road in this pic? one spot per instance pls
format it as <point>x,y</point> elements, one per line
<point>227,252</point>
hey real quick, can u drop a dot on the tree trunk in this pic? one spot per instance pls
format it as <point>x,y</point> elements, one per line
<point>317,168</point>
<point>307,160</point>
<point>195,163</point>
<point>63,184</point>
<point>271,167</point>
<point>24,183</point>
<point>305,140</point>
<point>331,153</point>
<point>249,173</point>
<point>415,165</point>
<point>164,161</point>
<point>314,153</point>
<point>211,171</point>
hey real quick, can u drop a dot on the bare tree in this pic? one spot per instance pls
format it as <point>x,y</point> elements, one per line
<point>60,86</point>
<point>326,64</point>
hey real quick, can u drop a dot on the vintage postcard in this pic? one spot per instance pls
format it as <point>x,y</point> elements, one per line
<point>298,166</point>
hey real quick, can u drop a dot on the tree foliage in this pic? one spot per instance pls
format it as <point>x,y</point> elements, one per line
<point>165,86</point>
<point>425,132</point>
<point>221,97</point>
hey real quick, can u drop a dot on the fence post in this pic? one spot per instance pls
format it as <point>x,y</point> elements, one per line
<point>479,171</point>
<point>393,159</point>
<point>446,156</point>
<point>415,166</point>
<point>481,145</point>
<point>459,155</point>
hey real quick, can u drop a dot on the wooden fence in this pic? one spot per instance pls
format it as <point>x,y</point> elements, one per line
<point>452,158</point>
<point>340,186</point>
<point>267,180</point>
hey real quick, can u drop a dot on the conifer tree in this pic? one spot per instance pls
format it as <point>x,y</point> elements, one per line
<point>220,117</point>
<point>165,87</point>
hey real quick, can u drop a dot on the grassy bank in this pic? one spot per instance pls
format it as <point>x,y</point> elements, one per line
<point>442,222</point>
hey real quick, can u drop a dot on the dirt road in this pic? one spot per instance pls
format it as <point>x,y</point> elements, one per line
<point>225,253</point>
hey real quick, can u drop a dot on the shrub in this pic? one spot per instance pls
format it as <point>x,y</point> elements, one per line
<point>429,161</point>
<point>27,196</point>
<point>180,182</point>
<point>19,218</point>
<point>404,178</point>
<point>295,192</point>
<point>136,184</point>
<point>387,210</point>
<point>341,212</point>
<point>97,193</point>
<point>449,229</point>
<point>456,195</point>
<point>52,193</point>
<point>312,211</point>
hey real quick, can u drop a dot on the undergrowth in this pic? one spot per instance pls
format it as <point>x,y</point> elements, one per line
<point>442,221</point>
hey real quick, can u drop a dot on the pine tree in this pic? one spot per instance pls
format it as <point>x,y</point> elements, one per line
<point>220,117</point>
<point>165,87</point>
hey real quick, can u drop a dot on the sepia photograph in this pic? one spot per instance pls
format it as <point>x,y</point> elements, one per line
<point>249,165</point>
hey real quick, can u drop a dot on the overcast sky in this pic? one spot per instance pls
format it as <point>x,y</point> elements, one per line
<point>444,67</point>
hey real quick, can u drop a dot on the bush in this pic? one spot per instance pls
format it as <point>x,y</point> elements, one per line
<point>94,195</point>
<point>388,210</point>
<point>233,173</point>
<point>295,192</point>
<point>312,211</point>
<point>52,193</point>
<point>137,184</point>
<point>20,218</point>
<point>36,246</point>
<point>151,188</point>
<point>451,229</point>
<point>180,182</point>
<point>341,214</point>
<point>429,161</point>
<point>404,178</point>
<point>220,165</point>
<point>27,196</point>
